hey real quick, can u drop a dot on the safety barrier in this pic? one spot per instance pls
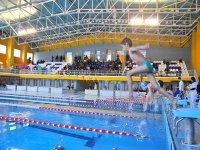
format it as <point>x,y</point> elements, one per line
<point>85,112</point>
<point>96,103</point>
<point>67,126</point>
<point>88,72</point>
<point>109,99</point>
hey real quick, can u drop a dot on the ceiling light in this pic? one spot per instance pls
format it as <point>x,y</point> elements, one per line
<point>144,22</point>
<point>151,22</point>
<point>136,21</point>
<point>23,32</point>
<point>146,1</point>
<point>18,13</point>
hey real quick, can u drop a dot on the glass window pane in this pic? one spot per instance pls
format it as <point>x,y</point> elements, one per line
<point>30,56</point>
<point>69,58</point>
<point>17,53</point>
<point>109,55</point>
<point>2,49</point>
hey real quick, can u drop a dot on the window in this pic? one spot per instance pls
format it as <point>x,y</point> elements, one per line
<point>17,53</point>
<point>87,53</point>
<point>30,55</point>
<point>2,49</point>
<point>69,58</point>
<point>98,54</point>
<point>109,55</point>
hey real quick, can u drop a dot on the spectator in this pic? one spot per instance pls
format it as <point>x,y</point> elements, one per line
<point>193,92</point>
<point>56,59</point>
<point>181,87</point>
<point>61,58</point>
<point>198,87</point>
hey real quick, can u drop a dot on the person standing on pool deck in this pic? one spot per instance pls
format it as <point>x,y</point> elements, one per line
<point>144,67</point>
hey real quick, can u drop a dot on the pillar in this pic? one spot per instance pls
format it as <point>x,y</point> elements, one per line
<point>26,84</point>
<point>10,52</point>
<point>38,84</point>
<point>198,50</point>
<point>114,90</point>
<point>50,84</point>
<point>195,49</point>
<point>98,88</point>
<point>24,50</point>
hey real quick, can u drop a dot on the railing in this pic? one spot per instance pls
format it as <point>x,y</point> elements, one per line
<point>171,142</point>
<point>91,72</point>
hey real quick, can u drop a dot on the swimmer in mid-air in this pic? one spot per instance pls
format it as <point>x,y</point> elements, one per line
<point>144,67</point>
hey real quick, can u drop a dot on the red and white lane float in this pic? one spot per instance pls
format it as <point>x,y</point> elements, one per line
<point>85,112</point>
<point>67,126</point>
<point>122,100</point>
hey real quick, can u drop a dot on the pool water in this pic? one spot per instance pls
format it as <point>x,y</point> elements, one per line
<point>36,137</point>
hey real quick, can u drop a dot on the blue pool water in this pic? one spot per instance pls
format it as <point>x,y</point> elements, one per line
<point>34,137</point>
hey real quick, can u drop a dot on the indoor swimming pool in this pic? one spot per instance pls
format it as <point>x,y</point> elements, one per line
<point>148,132</point>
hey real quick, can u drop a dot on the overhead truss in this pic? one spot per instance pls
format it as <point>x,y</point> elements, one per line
<point>66,19</point>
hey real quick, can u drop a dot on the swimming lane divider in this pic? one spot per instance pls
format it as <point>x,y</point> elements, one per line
<point>67,126</point>
<point>85,112</point>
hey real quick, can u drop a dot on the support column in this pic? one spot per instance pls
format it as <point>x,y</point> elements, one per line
<point>38,84</point>
<point>10,52</point>
<point>26,84</point>
<point>114,90</point>
<point>15,87</point>
<point>24,50</point>
<point>50,83</point>
<point>98,88</point>
<point>195,49</point>
<point>198,50</point>
<point>64,88</point>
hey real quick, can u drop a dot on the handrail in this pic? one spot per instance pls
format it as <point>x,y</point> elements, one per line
<point>171,141</point>
<point>90,72</point>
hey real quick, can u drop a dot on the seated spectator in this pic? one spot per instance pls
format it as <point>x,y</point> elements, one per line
<point>193,92</point>
<point>198,87</point>
<point>180,61</point>
<point>176,92</point>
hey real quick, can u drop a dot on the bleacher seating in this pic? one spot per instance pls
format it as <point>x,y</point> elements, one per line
<point>175,68</point>
<point>45,68</point>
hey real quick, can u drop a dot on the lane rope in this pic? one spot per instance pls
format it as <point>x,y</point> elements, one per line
<point>85,112</point>
<point>68,126</point>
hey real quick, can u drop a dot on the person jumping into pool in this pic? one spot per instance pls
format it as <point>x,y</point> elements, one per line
<point>150,97</point>
<point>144,67</point>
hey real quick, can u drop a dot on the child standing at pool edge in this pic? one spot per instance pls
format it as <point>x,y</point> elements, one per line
<point>144,67</point>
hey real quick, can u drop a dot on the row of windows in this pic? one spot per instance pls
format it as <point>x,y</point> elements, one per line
<point>17,52</point>
<point>69,57</point>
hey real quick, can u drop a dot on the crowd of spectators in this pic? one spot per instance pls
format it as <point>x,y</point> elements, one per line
<point>57,58</point>
<point>86,63</point>
<point>39,62</point>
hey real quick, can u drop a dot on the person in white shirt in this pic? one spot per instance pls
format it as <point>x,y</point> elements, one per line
<point>193,92</point>
<point>181,85</point>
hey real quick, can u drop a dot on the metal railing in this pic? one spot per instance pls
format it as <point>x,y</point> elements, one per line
<point>92,72</point>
